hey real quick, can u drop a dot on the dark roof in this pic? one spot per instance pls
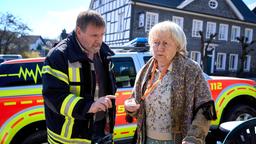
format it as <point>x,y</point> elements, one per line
<point>254,10</point>
<point>164,3</point>
<point>248,15</point>
<point>245,11</point>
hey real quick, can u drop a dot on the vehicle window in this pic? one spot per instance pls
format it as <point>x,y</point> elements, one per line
<point>146,58</point>
<point>125,72</point>
<point>10,57</point>
<point>20,74</point>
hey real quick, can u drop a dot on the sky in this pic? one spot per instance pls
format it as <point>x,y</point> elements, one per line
<point>46,17</point>
<point>49,17</point>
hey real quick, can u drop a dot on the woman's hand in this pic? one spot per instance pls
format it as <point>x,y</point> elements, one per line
<point>130,105</point>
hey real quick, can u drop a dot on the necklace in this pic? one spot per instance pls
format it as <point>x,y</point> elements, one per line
<point>151,86</point>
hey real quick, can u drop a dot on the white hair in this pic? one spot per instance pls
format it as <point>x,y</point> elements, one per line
<point>175,31</point>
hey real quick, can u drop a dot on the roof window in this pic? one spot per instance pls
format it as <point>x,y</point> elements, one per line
<point>213,4</point>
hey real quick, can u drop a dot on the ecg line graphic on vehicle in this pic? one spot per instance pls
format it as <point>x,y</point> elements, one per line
<point>25,72</point>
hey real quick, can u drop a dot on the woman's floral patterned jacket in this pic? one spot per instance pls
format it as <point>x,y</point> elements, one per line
<point>188,93</point>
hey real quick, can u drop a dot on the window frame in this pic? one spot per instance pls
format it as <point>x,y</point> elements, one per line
<point>149,17</point>
<point>247,63</point>
<point>221,65</point>
<point>194,54</point>
<point>210,29</point>
<point>223,30</point>
<point>197,25</point>
<point>121,17</point>
<point>235,60</point>
<point>250,34</point>
<point>235,32</point>
<point>178,20</point>
<point>211,2</point>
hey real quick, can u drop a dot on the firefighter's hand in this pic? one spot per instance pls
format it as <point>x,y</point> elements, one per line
<point>102,104</point>
<point>130,105</point>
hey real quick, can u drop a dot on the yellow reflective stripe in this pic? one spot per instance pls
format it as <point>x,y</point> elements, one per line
<point>70,73</point>
<point>50,140</point>
<point>74,76</point>
<point>56,73</point>
<point>26,102</point>
<point>70,121</point>
<point>64,104</point>
<point>68,105</point>
<point>72,105</point>
<point>67,109</point>
<point>21,90</point>
<point>9,103</point>
<point>61,139</point>
<point>78,80</point>
<point>67,127</point>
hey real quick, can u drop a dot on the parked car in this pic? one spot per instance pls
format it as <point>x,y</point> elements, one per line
<point>21,102</point>
<point>5,57</point>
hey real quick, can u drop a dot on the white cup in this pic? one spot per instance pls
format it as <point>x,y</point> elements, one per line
<point>130,102</point>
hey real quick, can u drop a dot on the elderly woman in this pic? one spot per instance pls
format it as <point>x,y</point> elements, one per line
<point>171,98</point>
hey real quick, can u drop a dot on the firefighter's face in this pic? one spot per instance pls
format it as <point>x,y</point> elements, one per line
<point>91,38</point>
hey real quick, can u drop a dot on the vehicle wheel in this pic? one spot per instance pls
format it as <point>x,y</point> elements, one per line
<point>240,112</point>
<point>38,137</point>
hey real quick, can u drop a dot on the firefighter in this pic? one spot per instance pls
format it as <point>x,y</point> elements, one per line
<point>79,85</point>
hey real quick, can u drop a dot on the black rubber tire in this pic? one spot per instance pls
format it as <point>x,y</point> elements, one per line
<point>240,112</point>
<point>38,137</point>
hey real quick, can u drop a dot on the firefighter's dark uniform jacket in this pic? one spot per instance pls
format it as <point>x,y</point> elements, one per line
<point>68,91</point>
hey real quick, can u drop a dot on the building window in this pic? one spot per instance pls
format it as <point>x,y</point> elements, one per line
<point>213,4</point>
<point>114,4</point>
<point>141,19</point>
<point>112,30</point>
<point>111,6</point>
<point>223,32</point>
<point>196,56</point>
<point>100,2</point>
<point>210,29</point>
<point>151,20</point>
<point>108,17</point>
<point>178,20</point>
<point>247,63</point>
<point>233,60</point>
<point>196,27</point>
<point>108,29</point>
<point>235,32</point>
<point>248,34</point>
<point>121,21</point>
<point>96,4</point>
<point>221,61</point>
